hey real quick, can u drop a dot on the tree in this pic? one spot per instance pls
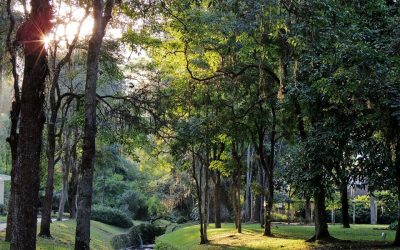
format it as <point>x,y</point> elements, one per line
<point>101,15</point>
<point>55,101</point>
<point>30,35</point>
<point>14,117</point>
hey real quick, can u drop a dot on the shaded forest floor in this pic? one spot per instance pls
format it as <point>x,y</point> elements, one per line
<point>64,236</point>
<point>285,237</point>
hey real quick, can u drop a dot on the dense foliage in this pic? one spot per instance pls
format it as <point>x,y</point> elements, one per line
<point>111,216</point>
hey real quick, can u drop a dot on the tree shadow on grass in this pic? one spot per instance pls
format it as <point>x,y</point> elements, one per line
<point>223,246</point>
<point>277,235</point>
<point>357,245</point>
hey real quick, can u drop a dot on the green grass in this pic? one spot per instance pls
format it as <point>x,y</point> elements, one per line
<point>3,218</point>
<point>285,237</point>
<point>64,236</point>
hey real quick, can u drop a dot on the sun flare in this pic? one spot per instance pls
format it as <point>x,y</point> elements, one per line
<point>46,41</point>
<point>70,21</point>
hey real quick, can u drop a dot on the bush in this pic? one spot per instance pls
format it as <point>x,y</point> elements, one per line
<point>142,234</point>
<point>155,207</point>
<point>111,216</point>
<point>149,232</point>
<point>134,203</point>
<point>276,217</point>
<point>393,225</point>
<point>161,223</point>
<point>181,220</point>
<point>132,238</point>
<point>386,218</point>
<point>363,214</point>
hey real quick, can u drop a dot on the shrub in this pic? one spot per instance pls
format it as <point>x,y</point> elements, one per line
<point>132,238</point>
<point>155,207</point>
<point>386,218</point>
<point>393,225</point>
<point>149,232</point>
<point>277,217</point>
<point>111,216</point>
<point>134,203</point>
<point>363,213</point>
<point>181,220</point>
<point>161,223</point>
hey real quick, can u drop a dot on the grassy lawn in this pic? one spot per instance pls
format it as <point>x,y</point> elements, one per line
<point>64,236</point>
<point>3,218</point>
<point>285,237</point>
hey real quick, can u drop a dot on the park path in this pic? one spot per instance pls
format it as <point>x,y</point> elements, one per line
<point>4,225</point>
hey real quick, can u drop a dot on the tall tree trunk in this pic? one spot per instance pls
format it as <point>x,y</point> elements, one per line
<point>11,199</point>
<point>373,212</point>
<point>236,179</point>
<point>73,182</point>
<point>66,163</point>
<point>263,198</point>
<point>234,200</point>
<point>263,177</point>
<point>257,209</point>
<point>206,197</point>
<point>248,203</point>
<point>321,225</point>
<point>268,205</point>
<point>217,201</point>
<point>269,169</point>
<point>288,212</point>
<point>345,205</point>
<point>85,183</point>
<point>32,118</point>
<point>73,186</point>
<point>29,148</point>
<point>397,237</point>
<point>51,149</point>
<point>307,210</point>
<point>64,194</point>
<point>257,201</point>
<point>238,207</point>
<point>14,117</point>
<point>397,167</point>
<point>200,194</point>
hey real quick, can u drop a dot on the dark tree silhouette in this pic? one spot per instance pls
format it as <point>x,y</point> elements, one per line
<point>26,183</point>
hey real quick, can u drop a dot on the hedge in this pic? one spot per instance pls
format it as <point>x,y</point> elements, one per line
<point>111,216</point>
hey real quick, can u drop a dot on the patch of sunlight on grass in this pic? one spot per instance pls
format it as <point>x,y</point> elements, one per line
<point>285,237</point>
<point>226,238</point>
<point>250,239</point>
<point>62,225</point>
